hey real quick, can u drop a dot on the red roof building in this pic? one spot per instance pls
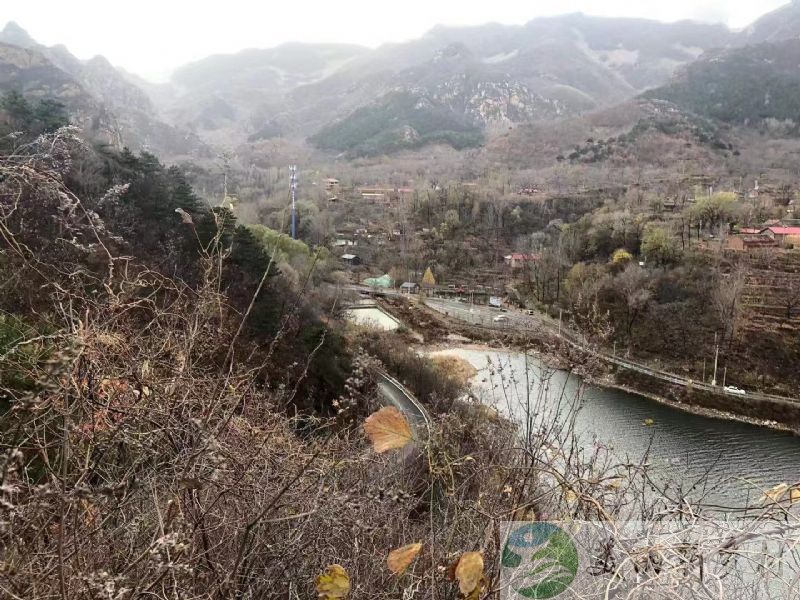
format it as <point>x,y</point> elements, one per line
<point>783,230</point>
<point>786,237</point>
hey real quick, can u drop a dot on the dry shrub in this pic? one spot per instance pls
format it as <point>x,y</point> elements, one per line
<point>435,386</point>
<point>149,453</point>
<point>456,367</point>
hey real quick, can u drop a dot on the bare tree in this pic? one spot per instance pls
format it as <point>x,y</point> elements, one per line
<point>632,285</point>
<point>727,298</point>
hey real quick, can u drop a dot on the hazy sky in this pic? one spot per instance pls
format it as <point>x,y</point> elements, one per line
<point>151,37</point>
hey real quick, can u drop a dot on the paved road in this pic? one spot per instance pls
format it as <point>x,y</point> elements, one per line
<point>484,316</point>
<point>396,394</point>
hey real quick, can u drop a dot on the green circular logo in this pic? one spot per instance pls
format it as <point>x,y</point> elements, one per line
<point>543,558</point>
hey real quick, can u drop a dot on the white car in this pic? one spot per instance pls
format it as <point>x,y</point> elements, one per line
<point>734,390</point>
<point>500,319</point>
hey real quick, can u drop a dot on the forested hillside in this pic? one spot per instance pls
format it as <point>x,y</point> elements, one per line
<point>753,85</point>
<point>151,214</point>
<point>399,121</point>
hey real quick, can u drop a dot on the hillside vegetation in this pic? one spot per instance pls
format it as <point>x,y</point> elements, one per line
<point>400,121</point>
<point>162,435</point>
<point>187,412</point>
<point>750,85</point>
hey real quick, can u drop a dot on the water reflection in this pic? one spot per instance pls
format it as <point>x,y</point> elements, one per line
<point>736,461</point>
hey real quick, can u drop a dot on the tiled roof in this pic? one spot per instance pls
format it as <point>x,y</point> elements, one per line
<point>785,230</point>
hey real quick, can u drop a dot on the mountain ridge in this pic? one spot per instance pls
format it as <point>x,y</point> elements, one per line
<point>482,79</point>
<point>745,85</point>
<point>102,100</point>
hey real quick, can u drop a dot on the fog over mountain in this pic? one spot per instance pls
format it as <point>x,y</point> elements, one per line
<point>453,85</point>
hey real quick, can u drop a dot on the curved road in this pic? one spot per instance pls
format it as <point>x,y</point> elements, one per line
<point>396,394</point>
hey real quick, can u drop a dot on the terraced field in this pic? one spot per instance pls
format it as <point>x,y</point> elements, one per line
<point>772,293</point>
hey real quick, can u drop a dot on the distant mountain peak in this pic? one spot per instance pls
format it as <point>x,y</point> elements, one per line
<point>100,62</point>
<point>15,35</point>
<point>780,24</point>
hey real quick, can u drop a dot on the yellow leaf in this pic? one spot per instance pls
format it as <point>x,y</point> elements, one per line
<point>775,493</point>
<point>469,573</point>
<point>387,429</point>
<point>399,559</point>
<point>780,492</point>
<point>649,422</point>
<point>569,494</point>
<point>478,591</point>
<point>333,583</point>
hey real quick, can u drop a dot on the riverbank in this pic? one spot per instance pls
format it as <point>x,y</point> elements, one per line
<point>440,331</point>
<point>711,413</point>
<point>604,378</point>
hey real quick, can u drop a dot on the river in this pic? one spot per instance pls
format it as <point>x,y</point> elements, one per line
<point>740,460</point>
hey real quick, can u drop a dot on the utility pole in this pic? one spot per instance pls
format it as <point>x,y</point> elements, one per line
<point>716,359</point>
<point>560,313</point>
<point>293,171</point>
<point>724,376</point>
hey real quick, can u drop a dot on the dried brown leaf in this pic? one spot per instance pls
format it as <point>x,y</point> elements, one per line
<point>400,558</point>
<point>387,429</point>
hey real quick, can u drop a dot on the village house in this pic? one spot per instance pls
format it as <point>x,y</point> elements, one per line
<point>374,197</point>
<point>517,260</point>
<point>670,205</point>
<point>785,237</point>
<point>331,185</point>
<point>528,191</point>
<point>409,287</point>
<point>749,241</point>
<point>351,260</point>
<point>386,195</point>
